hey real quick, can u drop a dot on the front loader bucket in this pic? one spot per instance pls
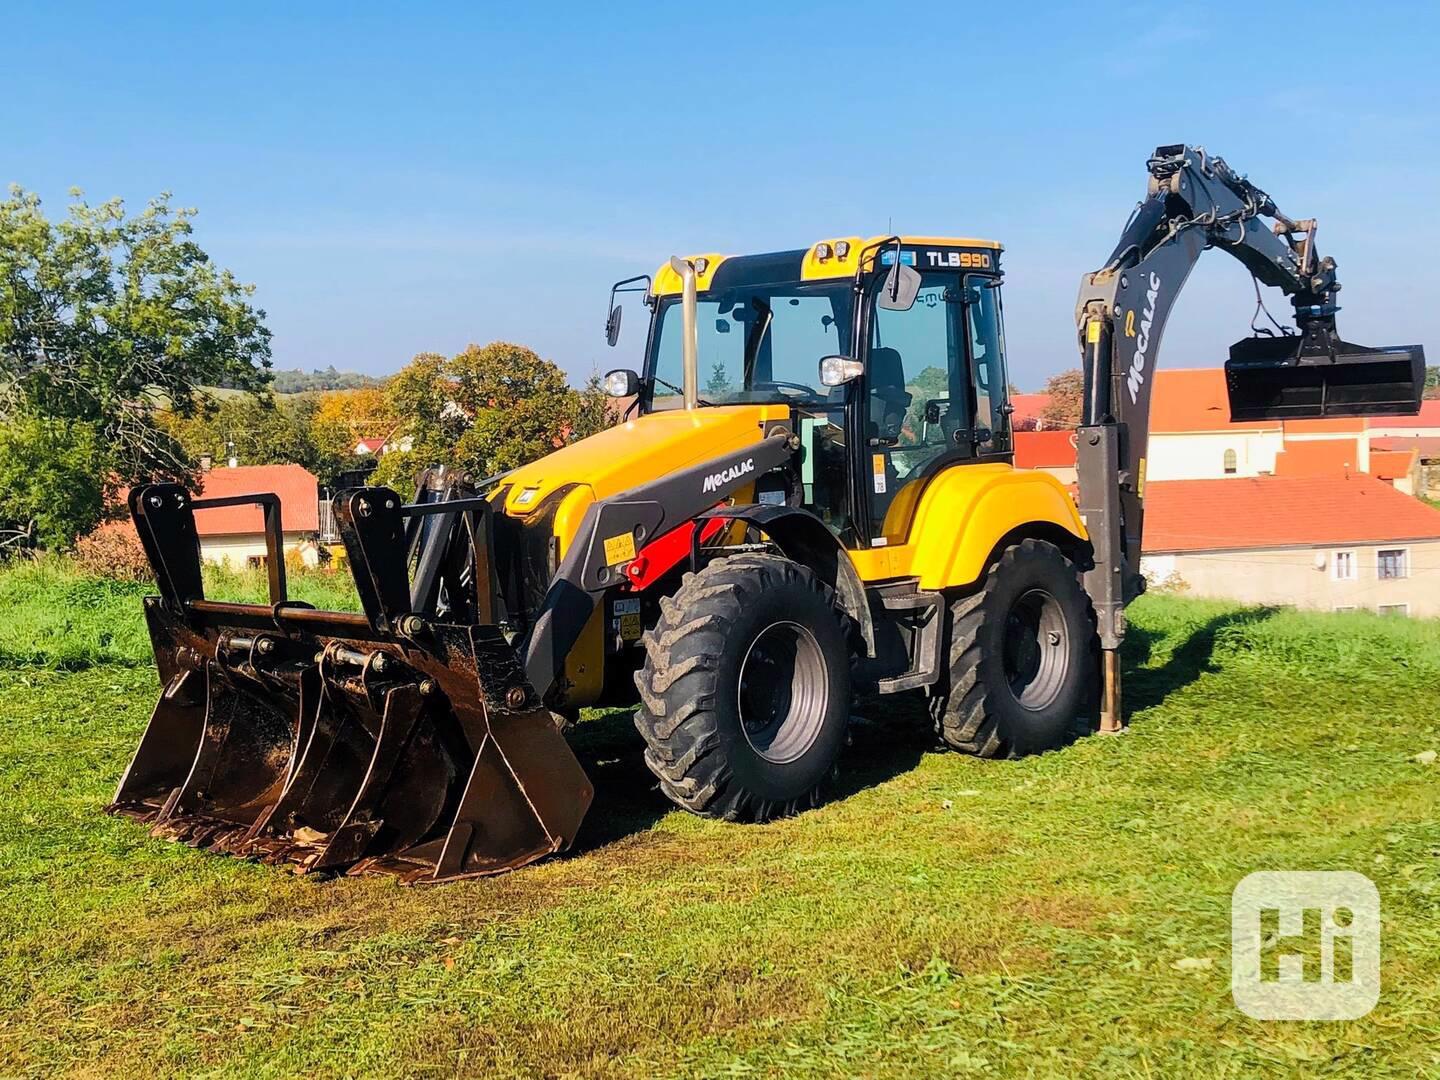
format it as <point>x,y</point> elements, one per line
<point>334,743</point>
<point>1290,378</point>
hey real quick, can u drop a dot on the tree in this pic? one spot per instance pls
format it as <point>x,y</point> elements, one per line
<point>341,418</point>
<point>594,411</point>
<point>258,429</point>
<point>486,410</point>
<point>931,383</point>
<point>1065,391</point>
<point>47,475</point>
<point>105,319</point>
<point>296,381</point>
<point>719,384</point>
<point>1432,382</point>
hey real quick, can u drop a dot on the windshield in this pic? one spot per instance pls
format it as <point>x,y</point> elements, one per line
<point>759,343</point>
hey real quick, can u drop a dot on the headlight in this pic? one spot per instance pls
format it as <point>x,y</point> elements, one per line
<point>839,370</point>
<point>621,383</point>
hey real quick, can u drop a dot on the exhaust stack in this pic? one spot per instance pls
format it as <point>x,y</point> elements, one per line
<point>690,325</point>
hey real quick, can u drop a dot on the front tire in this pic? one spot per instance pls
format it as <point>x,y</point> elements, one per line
<point>1023,657</point>
<point>745,689</point>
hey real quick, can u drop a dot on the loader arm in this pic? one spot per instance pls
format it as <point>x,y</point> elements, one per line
<point>613,529</point>
<point>1195,202</point>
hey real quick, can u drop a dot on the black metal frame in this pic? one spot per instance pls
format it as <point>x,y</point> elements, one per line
<point>164,515</point>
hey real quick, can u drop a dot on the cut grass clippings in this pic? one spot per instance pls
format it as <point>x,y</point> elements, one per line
<point>1063,915</point>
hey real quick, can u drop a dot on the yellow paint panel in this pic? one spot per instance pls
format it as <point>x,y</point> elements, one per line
<point>961,516</point>
<point>814,268</point>
<point>632,453</point>
<point>668,283</point>
<point>585,665</point>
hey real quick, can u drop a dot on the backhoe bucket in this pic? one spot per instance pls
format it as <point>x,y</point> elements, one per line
<point>333,742</point>
<point>1291,378</point>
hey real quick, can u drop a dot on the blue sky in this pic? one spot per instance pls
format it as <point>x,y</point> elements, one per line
<point>398,178</point>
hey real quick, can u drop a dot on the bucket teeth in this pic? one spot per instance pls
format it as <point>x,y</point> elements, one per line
<point>345,756</point>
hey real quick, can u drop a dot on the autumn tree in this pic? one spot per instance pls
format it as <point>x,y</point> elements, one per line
<point>341,418</point>
<point>485,410</point>
<point>105,319</point>
<point>1065,391</point>
<point>257,429</point>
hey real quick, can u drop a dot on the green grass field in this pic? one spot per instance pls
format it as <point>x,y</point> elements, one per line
<point>1058,916</point>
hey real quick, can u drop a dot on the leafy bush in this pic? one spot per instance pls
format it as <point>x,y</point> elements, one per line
<point>112,551</point>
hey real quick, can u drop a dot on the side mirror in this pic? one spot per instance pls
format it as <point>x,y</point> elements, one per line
<point>902,285</point>
<point>622,382</point>
<point>839,370</point>
<point>612,325</point>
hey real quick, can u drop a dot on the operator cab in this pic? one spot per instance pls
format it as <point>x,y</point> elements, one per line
<point>914,379</point>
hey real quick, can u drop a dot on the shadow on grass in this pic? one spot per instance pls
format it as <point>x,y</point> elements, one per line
<point>1146,687</point>
<point>628,799</point>
<point>888,737</point>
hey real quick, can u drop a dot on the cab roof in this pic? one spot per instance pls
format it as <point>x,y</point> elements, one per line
<point>821,261</point>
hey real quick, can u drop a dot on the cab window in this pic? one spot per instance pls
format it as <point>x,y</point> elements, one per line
<point>757,344</point>
<point>917,398</point>
<point>985,330</point>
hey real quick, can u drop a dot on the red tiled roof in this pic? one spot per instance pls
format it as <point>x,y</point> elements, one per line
<point>1280,512</point>
<point>1194,399</point>
<point>1028,406</point>
<point>297,487</point>
<point>1428,446</point>
<point>1045,449</point>
<point>1320,457</point>
<point>1391,464</point>
<point>1428,417</point>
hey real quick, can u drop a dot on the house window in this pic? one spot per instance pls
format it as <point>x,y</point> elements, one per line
<point>1232,463</point>
<point>1392,563</point>
<point>1393,609</point>
<point>1343,607</point>
<point>256,562</point>
<point>1342,566</point>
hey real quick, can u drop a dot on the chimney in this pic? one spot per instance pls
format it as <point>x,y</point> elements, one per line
<point>207,462</point>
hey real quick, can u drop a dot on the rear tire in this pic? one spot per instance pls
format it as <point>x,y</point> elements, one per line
<point>1023,658</point>
<point>745,689</point>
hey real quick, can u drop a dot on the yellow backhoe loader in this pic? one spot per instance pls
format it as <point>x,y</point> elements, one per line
<point>811,495</point>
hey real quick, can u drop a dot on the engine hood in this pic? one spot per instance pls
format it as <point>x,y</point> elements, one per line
<point>640,450</point>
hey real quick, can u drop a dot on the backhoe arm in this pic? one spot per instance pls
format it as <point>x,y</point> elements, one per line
<point>1194,202</point>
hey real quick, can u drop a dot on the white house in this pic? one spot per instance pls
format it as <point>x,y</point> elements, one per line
<point>1331,543</point>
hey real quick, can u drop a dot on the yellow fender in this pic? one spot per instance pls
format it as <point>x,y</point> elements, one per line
<point>962,514</point>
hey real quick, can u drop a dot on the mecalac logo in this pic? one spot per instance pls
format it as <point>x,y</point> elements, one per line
<point>1136,374</point>
<point>724,476</point>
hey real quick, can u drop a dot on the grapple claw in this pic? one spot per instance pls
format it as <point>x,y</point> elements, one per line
<point>330,742</point>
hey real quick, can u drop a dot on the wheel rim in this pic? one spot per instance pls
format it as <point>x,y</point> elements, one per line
<point>1036,649</point>
<point>783,692</point>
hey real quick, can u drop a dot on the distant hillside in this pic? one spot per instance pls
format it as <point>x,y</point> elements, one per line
<point>296,381</point>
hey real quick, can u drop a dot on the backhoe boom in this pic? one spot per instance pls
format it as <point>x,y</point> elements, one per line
<point>1195,202</point>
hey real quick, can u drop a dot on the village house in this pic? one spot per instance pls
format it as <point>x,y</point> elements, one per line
<point>1332,543</point>
<point>1048,451</point>
<point>1311,513</point>
<point>236,534</point>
